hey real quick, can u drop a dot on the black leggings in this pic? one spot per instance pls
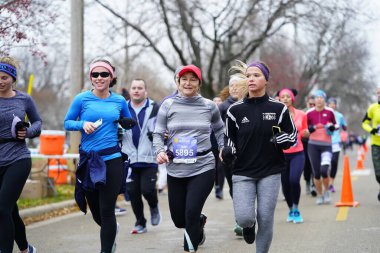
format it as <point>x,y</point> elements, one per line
<point>102,203</point>
<point>187,197</point>
<point>320,158</point>
<point>307,171</point>
<point>334,164</point>
<point>143,182</point>
<point>12,228</point>
<point>219,172</point>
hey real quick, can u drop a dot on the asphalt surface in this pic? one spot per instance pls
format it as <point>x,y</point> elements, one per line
<point>326,228</point>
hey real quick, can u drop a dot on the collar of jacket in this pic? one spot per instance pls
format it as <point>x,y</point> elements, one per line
<point>256,100</point>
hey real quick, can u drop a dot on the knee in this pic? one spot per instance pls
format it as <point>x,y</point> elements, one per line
<point>244,220</point>
<point>179,221</point>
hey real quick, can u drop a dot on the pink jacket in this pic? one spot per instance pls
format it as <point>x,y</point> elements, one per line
<point>300,121</point>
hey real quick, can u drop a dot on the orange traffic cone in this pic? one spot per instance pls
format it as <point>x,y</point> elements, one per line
<point>359,164</point>
<point>346,197</point>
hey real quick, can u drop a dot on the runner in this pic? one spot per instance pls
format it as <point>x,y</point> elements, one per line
<point>371,124</point>
<point>294,157</point>
<point>258,129</point>
<point>321,123</point>
<point>189,119</point>
<point>142,169</point>
<point>15,160</point>
<point>336,142</point>
<point>96,114</point>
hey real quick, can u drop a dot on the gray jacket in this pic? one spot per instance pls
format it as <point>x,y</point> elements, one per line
<point>145,152</point>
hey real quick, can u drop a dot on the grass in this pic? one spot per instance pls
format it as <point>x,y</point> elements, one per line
<point>64,192</point>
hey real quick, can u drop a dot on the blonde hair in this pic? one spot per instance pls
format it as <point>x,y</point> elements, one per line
<point>238,73</point>
<point>11,61</point>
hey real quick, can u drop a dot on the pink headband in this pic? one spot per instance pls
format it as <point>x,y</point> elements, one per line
<point>289,92</point>
<point>104,65</point>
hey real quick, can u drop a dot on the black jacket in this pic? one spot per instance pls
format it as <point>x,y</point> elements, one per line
<point>223,107</point>
<point>249,130</point>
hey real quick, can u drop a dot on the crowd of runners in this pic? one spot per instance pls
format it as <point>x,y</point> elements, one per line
<point>186,145</point>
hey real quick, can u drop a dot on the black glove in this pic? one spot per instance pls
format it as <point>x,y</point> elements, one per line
<point>311,129</point>
<point>150,136</point>
<point>126,123</point>
<point>330,127</point>
<point>282,145</point>
<point>20,126</point>
<point>374,131</point>
<point>124,157</point>
<point>228,155</point>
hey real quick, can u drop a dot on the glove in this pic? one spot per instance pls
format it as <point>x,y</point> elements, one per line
<point>330,127</point>
<point>311,129</point>
<point>281,145</point>
<point>150,136</point>
<point>228,155</point>
<point>20,126</point>
<point>374,131</point>
<point>126,123</point>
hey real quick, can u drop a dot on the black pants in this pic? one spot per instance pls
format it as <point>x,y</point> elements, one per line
<point>142,182</point>
<point>228,175</point>
<point>307,170</point>
<point>219,172</point>
<point>334,164</point>
<point>187,197</point>
<point>102,203</point>
<point>12,228</point>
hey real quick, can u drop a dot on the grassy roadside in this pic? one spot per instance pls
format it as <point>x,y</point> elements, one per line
<point>64,192</point>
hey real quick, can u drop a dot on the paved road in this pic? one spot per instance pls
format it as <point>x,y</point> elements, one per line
<point>325,229</point>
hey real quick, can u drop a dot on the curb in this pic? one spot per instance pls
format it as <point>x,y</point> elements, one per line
<point>38,210</point>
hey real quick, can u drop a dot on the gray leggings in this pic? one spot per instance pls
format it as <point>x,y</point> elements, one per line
<point>265,190</point>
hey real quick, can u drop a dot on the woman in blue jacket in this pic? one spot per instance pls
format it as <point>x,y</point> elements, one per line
<point>95,113</point>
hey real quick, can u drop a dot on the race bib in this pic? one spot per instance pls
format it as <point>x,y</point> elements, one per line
<point>184,149</point>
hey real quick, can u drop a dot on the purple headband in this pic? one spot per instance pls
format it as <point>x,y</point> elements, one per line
<point>261,67</point>
<point>9,69</point>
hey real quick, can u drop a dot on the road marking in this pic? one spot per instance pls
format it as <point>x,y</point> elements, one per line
<point>342,213</point>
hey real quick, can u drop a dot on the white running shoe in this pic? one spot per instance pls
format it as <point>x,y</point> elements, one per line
<point>327,197</point>
<point>319,200</point>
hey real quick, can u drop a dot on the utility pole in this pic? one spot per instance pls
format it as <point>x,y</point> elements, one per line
<point>76,60</point>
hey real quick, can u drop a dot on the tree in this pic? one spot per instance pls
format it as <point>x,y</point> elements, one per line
<point>213,35</point>
<point>22,24</point>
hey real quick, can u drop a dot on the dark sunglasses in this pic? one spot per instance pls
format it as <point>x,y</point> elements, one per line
<point>311,104</point>
<point>102,74</point>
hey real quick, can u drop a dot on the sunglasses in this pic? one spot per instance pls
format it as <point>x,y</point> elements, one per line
<point>311,104</point>
<point>101,74</point>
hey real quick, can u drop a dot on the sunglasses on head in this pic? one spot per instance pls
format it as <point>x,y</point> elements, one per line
<point>101,74</point>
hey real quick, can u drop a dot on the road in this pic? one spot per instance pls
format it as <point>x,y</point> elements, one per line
<point>326,228</point>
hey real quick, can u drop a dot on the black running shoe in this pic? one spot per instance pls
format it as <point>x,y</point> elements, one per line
<point>249,234</point>
<point>202,238</point>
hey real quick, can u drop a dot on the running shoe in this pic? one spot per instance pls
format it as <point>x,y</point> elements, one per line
<point>203,220</point>
<point>155,216</point>
<point>249,234</point>
<point>313,191</point>
<point>331,188</point>
<point>138,230</point>
<point>31,249</point>
<point>120,211</point>
<point>218,193</point>
<point>319,200</point>
<point>297,218</point>
<point>238,230</point>
<point>290,216</point>
<point>327,197</point>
